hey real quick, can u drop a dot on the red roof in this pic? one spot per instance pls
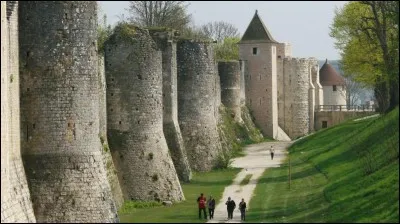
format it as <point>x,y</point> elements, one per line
<point>328,76</point>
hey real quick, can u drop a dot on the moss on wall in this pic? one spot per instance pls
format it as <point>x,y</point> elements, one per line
<point>235,135</point>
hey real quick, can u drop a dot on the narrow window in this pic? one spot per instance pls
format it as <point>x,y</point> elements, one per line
<point>324,124</point>
<point>334,88</point>
<point>255,51</point>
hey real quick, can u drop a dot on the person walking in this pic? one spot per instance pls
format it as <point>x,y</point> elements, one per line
<point>242,208</point>
<point>230,205</point>
<point>211,207</point>
<point>202,205</point>
<point>272,151</point>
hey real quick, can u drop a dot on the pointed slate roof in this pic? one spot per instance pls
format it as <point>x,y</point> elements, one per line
<point>328,76</point>
<point>257,31</point>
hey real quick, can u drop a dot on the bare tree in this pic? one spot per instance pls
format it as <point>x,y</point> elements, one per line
<point>171,14</point>
<point>354,91</point>
<point>219,30</point>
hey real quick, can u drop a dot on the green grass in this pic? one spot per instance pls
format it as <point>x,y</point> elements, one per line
<point>213,183</point>
<point>346,173</point>
<point>246,179</point>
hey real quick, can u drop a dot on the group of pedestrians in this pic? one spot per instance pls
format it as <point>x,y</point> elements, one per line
<point>210,203</point>
<point>230,204</point>
<point>202,201</point>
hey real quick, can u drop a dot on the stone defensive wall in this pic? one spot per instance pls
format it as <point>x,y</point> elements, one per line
<point>133,65</point>
<point>61,148</point>
<point>243,73</point>
<point>332,118</point>
<point>229,73</point>
<point>296,78</point>
<point>16,205</point>
<point>196,103</point>
<point>107,158</point>
<point>166,41</point>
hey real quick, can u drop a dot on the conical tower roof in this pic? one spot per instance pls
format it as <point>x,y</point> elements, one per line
<point>257,31</point>
<point>328,76</point>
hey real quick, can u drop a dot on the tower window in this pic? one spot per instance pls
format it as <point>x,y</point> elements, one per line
<point>334,88</point>
<point>255,51</point>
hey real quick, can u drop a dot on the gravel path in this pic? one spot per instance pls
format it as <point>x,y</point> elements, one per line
<point>255,162</point>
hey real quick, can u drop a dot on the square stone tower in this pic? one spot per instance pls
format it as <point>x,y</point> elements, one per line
<point>258,49</point>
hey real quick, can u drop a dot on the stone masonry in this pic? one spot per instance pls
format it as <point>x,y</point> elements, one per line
<point>135,116</point>
<point>261,84</point>
<point>196,103</point>
<point>229,72</point>
<point>59,89</point>
<point>290,86</point>
<point>107,158</point>
<point>16,204</point>
<point>167,43</point>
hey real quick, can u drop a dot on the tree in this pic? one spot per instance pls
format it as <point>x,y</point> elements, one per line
<point>228,49</point>
<point>366,33</point>
<point>219,30</point>
<point>171,14</point>
<point>104,31</point>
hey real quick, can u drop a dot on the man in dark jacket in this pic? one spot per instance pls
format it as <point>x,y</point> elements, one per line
<point>242,208</point>
<point>230,205</point>
<point>202,205</point>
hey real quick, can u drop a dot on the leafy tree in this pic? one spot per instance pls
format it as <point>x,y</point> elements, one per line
<point>103,32</point>
<point>219,30</point>
<point>228,49</point>
<point>171,14</point>
<point>366,33</point>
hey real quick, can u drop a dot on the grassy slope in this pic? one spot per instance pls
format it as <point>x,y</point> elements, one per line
<point>347,173</point>
<point>208,183</point>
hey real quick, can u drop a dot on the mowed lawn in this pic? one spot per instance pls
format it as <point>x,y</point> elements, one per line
<point>208,183</point>
<point>346,173</point>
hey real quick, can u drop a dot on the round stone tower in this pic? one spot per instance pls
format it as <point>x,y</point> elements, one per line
<point>196,102</point>
<point>296,79</point>
<point>333,84</point>
<point>59,88</point>
<point>135,116</point>
<point>229,72</point>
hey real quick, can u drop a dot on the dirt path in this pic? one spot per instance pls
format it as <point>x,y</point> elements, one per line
<point>255,162</point>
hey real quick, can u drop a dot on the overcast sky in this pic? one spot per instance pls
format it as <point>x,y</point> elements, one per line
<point>303,24</point>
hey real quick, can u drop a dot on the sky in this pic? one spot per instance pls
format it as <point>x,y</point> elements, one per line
<point>304,24</point>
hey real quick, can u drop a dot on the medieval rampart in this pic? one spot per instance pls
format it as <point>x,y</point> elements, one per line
<point>229,73</point>
<point>172,132</point>
<point>60,140</point>
<point>196,103</point>
<point>16,205</point>
<point>135,117</point>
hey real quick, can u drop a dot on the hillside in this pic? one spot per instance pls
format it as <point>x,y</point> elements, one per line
<point>346,173</point>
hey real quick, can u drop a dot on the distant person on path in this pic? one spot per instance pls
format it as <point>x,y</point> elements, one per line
<point>272,151</point>
<point>242,208</point>
<point>211,207</point>
<point>202,205</point>
<point>230,205</point>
